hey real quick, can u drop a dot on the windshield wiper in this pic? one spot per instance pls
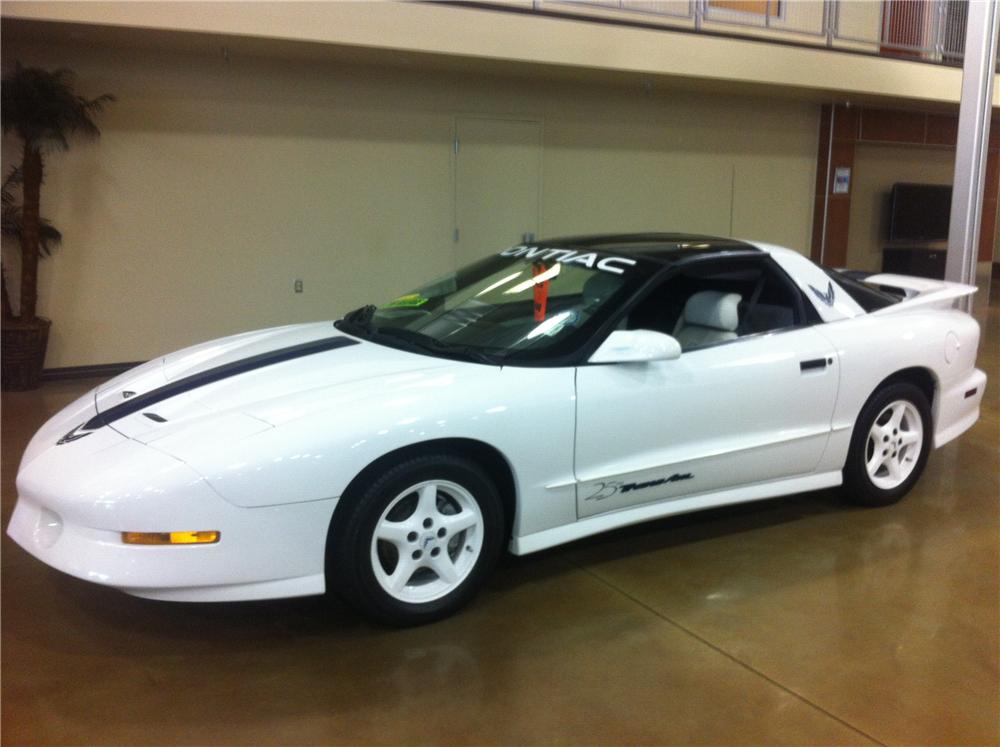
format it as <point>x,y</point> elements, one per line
<point>361,317</point>
<point>432,345</point>
<point>361,320</point>
<point>472,353</point>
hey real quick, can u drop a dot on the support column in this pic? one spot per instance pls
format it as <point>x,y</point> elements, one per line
<point>973,141</point>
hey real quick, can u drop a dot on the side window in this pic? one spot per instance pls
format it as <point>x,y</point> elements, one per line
<point>716,301</point>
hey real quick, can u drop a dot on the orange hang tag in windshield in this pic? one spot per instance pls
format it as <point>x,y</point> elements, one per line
<point>541,292</point>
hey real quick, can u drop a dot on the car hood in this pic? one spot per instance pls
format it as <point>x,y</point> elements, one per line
<point>242,384</point>
<point>203,357</point>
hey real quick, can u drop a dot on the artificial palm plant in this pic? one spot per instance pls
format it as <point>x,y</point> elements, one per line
<point>42,109</point>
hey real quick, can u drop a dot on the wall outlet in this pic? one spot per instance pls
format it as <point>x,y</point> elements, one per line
<point>298,286</point>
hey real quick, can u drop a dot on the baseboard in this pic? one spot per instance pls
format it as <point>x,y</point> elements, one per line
<point>100,370</point>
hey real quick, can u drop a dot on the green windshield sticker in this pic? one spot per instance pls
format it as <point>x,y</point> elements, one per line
<point>410,300</point>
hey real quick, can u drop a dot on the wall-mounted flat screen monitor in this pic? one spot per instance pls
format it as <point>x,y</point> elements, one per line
<point>919,212</point>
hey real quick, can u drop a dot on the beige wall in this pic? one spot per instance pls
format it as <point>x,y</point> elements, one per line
<point>876,169</point>
<point>217,183</point>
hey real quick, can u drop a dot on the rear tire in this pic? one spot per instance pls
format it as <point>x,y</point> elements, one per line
<point>417,542</point>
<point>889,447</point>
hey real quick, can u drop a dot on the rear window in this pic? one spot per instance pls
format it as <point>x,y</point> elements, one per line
<point>867,297</point>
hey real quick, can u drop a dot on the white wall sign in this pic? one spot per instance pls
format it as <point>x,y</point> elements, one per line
<point>842,180</point>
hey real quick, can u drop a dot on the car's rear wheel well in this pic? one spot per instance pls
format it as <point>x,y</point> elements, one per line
<point>919,377</point>
<point>922,378</point>
<point>482,454</point>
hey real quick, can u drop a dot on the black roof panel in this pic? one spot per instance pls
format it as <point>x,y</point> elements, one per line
<point>663,247</point>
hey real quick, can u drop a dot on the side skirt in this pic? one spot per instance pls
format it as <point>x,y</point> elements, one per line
<point>626,517</point>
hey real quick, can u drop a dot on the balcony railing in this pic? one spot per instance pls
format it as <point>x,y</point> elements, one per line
<point>925,30</point>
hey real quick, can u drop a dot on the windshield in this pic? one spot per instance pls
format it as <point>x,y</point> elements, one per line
<point>525,304</point>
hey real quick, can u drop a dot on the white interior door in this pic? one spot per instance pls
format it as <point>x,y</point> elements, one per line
<point>498,167</point>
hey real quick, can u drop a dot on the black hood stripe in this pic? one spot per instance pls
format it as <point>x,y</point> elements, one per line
<point>194,381</point>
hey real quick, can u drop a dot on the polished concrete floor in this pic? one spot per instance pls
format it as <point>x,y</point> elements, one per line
<point>794,621</point>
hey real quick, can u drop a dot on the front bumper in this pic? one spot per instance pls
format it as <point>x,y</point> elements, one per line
<point>74,501</point>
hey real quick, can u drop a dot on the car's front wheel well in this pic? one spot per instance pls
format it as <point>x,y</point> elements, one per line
<point>482,454</point>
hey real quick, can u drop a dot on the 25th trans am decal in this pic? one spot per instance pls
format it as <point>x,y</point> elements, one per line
<point>611,488</point>
<point>570,257</point>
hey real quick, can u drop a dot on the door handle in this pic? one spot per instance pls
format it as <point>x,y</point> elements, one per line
<point>814,364</point>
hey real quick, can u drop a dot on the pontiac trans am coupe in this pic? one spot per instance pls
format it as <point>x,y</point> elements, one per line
<point>543,394</point>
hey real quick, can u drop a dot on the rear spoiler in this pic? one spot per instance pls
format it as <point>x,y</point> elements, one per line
<point>919,292</point>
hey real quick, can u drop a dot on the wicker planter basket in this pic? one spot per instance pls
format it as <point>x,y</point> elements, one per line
<point>23,353</point>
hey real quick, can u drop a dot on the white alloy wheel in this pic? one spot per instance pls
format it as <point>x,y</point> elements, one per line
<point>894,445</point>
<point>427,541</point>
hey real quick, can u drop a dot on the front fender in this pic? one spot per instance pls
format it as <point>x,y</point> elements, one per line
<point>527,414</point>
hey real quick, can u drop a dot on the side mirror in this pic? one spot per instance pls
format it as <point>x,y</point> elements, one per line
<point>636,346</point>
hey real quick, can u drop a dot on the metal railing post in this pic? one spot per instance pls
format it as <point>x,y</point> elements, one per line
<point>828,23</point>
<point>886,21</point>
<point>937,29</point>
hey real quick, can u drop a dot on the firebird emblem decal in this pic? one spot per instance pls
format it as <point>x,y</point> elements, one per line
<point>827,297</point>
<point>74,434</point>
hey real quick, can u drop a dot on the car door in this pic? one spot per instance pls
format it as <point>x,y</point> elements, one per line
<point>749,410</point>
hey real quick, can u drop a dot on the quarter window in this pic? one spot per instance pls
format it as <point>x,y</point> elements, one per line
<point>867,297</point>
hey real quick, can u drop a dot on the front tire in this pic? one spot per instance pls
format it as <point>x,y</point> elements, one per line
<point>889,447</point>
<point>418,541</point>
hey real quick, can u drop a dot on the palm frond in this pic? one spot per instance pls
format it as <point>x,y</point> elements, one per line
<point>42,108</point>
<point>11,225</point>
<point>49,237</point>
<point>14,178</point>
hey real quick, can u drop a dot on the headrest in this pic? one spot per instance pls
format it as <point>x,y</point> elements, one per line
<point>598,288</point>
<point>713,309</point>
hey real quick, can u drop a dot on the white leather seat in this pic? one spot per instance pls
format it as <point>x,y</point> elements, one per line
<point>709,316</point>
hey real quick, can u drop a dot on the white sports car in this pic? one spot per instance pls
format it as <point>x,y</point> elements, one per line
<point>547,393</point>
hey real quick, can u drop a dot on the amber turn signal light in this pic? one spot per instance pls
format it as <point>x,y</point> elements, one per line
<point>170,538</point>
